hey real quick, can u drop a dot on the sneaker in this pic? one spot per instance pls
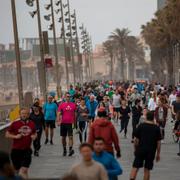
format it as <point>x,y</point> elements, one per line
<point>64,153</point>
<point>51,142</point>
<point>178,154</point>
<point>36,153</point>
<point>71,152</point>
<point>46,141</point>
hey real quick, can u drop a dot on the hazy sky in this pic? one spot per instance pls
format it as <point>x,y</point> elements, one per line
<point>100,17</point>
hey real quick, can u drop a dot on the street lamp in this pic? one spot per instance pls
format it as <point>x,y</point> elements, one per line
<point>17,51</point>
<point>52,27</point>
<point>43,79</point>
<point>63,35</point>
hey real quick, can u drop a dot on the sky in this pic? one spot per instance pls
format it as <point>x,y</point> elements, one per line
<point>100,17</point>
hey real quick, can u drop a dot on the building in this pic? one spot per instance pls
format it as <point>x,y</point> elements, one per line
<point>161,4</point>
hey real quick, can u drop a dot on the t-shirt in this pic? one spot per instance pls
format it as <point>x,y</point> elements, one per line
<point>50,110</point>
<point>172,98</point>
<point>124,113</point>
<point>148,135</point>
<point>89,171</point>
<point>116,100</point>
<point>80,112</point>
<point>176,106</point>
<point>26,129</point>
<point>67,110</point>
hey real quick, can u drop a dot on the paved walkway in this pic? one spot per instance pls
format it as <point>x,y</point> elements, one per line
<point>51,164</point>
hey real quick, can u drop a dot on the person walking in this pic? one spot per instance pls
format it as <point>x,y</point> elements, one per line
<point>137,112</point>
<point>92,105</point>
<point>38,118</point>
<point>161,113</point>
<point>50,114</point>
<point>124,116</point>
<point>107,160</point>
<point>102,127</point>
<point>22,132</point>
<point>82,121</point>
<point>66,118</point>
<point>116,99</point>
<point>88,169</point>
<point>147,145</point>
<point>177,129</point>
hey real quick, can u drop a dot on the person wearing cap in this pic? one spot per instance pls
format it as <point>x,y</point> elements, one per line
<point>102,127</point>
<point>50,114</point>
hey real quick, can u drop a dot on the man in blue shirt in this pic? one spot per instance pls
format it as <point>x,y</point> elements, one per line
<point>92,105</point>
<point>110,163</point>
<point>50,114</point>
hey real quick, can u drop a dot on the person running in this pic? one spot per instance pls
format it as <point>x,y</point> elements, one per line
<point>116,99</point>
<point>102,127</point>
<point>107,106</point>
<point>172,97</point>
<point>153,101</point>
<point>6,168</point>
<point>66,119</point>
<point>124,116</point>
<point>50,114</point>
<point>22,132</point>
<point>82,120</point>
<point>88,169</point>
<point>161,113</point>
<point>177,129</point>
<point>147,145</point>
<point>38,118</point>
<point>135,95</point>
<point>110,163</point>
<point>137,112</point>
<point>92,105</point>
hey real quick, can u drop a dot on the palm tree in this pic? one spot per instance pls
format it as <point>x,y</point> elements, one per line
<point>109,50</point>
<point>119,37</point>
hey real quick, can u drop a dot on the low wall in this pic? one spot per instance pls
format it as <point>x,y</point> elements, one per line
<point>5,144</point>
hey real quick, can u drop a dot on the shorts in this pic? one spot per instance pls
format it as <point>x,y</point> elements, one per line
<point>116,109</point>
<point>21,158</point>
<point>144,159</point>
<point>66,130</point>
<point>91,118</point>
<point>50,124</point>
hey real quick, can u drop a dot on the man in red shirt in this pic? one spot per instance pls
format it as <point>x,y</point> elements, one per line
<point>66,118</point>
<point>22,132</point>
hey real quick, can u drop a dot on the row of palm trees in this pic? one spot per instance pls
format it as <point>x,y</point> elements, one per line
<point>123,48</point>
<point>162,34</point>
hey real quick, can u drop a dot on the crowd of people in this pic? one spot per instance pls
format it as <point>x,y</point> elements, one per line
<point>94,111</point>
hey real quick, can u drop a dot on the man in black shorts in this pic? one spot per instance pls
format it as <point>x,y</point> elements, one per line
<point>147,146</point>
<point>22,132</point>
<point>66,118</point>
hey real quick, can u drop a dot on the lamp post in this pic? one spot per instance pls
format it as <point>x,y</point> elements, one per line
<point>17,51</point>
<point>77,46</point>
<point>43,78</point>
<point>71,42</point>
<point>63,35</point>
<point>52,27</point>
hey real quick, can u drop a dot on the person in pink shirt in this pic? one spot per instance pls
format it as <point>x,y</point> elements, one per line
<point>66,118</point>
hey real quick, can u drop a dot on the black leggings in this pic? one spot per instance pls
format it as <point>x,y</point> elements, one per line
<point>134,126</point>
<point>83,125</point>
<point>37,141</point>
<point>124,125</point>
